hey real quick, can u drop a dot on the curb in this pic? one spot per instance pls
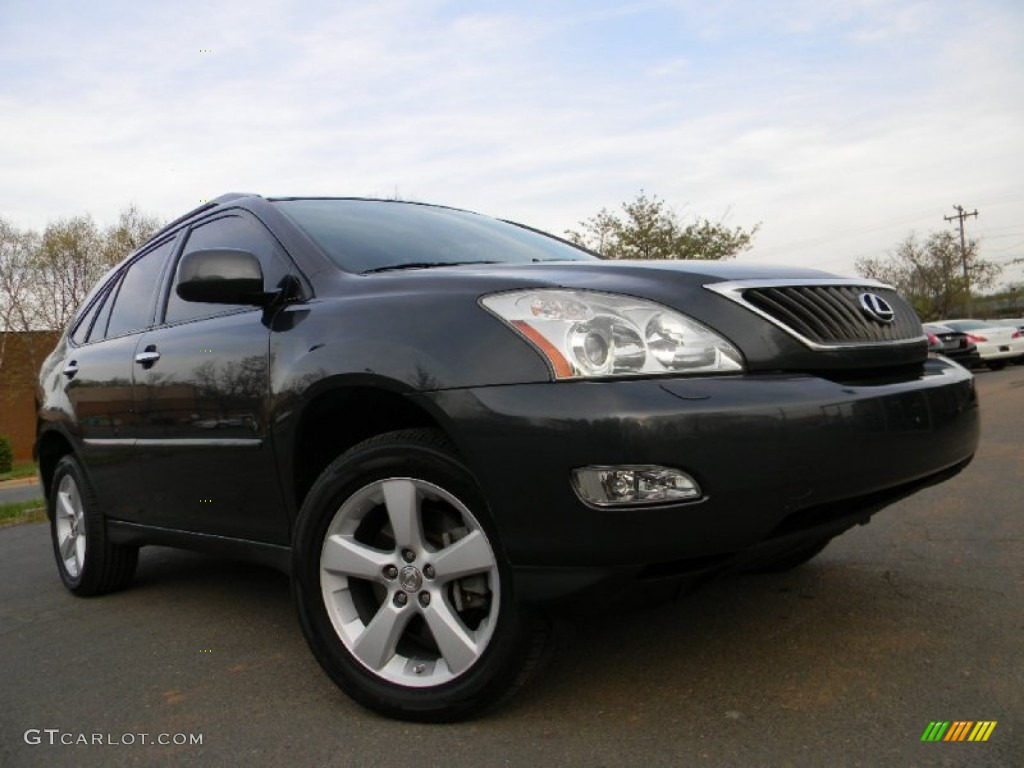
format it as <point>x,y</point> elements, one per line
<point>19,482</point>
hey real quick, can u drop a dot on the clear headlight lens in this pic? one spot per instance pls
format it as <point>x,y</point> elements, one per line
<point>587,334</point>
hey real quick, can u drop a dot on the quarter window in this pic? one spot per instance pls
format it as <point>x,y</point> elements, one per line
<point>99,327</point>
<point>81,333</point>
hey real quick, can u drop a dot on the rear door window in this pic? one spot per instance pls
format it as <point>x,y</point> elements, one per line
<point>132,308</point>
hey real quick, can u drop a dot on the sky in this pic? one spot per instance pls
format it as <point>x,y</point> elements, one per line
<point>840,127</point>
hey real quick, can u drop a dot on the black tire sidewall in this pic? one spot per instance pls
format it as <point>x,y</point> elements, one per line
<point>95,532</point>
<point>499,664</point>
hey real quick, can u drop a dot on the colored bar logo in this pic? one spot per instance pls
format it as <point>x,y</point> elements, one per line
<point>958,730</point>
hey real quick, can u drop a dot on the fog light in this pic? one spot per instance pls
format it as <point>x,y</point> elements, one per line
<point>629,485</point>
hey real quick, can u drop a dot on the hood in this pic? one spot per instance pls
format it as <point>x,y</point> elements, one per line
<point>767,343</point>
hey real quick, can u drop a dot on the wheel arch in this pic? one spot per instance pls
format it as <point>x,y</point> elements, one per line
<point>51,447</point>
<point>338,418</point>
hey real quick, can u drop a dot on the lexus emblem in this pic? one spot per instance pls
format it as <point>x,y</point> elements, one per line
<point>410,579</point>
<point>877,308</point>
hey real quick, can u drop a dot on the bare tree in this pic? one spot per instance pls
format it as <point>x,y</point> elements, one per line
<point>133,228</point>
<point>17,312</point>
<point>43,279</point>
<point>930,275</point>
<point>73,254</point>
<point>67,263</point>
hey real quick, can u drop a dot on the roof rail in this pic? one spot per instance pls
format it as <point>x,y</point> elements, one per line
<point>229,196</point>
<point>226,198</point>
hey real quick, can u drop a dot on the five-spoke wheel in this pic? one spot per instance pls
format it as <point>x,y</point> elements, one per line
<point>88,562</point>
<point>410,581</point>
<point>400,584</point>
<point>69,523</point>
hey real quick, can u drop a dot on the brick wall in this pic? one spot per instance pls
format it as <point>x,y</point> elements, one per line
<point>22,356</point>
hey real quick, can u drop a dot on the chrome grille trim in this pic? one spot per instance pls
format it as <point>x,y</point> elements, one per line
<point>823,313</point>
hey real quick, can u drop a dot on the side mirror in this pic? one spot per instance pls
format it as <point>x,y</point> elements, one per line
<point>221,276</point>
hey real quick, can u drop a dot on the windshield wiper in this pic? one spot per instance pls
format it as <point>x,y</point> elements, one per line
<point>425,265</point>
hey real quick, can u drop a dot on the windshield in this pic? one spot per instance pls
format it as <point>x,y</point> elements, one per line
<point>375,235</point>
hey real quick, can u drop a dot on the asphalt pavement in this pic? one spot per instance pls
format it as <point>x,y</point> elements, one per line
<point>917,617</point>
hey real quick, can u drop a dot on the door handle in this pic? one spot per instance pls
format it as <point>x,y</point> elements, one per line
<point>71,369</point>
<point>147,357</point>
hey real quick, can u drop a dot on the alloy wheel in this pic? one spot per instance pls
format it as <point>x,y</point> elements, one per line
<point>70,524</point>
<point>410,582</point>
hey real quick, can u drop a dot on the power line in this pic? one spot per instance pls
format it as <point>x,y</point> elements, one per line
<point>1011,247</point>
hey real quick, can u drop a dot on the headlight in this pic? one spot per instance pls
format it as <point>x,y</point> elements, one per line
<point>584,334</point>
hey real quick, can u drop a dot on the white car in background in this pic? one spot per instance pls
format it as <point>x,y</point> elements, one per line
<point>999,341</point>
<point>1016,322</point>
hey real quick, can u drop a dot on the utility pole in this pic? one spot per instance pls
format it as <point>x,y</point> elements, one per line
<point>961,214</point>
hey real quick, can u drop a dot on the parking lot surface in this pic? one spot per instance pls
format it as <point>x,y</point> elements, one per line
<point>917,617</point>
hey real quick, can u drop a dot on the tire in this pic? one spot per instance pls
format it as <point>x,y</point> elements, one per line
<point>997,365</point>
<point>422,625</point>
<point>87,562</point>
<point>791,560</point>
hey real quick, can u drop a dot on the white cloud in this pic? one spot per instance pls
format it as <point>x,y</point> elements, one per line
<point>840,126</point>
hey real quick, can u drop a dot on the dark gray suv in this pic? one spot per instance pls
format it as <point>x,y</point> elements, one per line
<point>444,426</point>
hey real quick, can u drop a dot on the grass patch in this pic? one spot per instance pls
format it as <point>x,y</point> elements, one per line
<point>33,511</point>
<point>19,470</point>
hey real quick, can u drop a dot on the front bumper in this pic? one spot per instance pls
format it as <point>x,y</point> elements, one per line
<point>779,457</point>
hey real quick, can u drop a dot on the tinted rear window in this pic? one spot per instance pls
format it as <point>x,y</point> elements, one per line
<point>363,235</point>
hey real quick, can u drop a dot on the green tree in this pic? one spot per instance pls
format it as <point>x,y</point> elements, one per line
<point>648,229</point>
<point>930,274</point>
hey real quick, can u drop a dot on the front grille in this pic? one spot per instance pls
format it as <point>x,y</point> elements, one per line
<point>831,314</point>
